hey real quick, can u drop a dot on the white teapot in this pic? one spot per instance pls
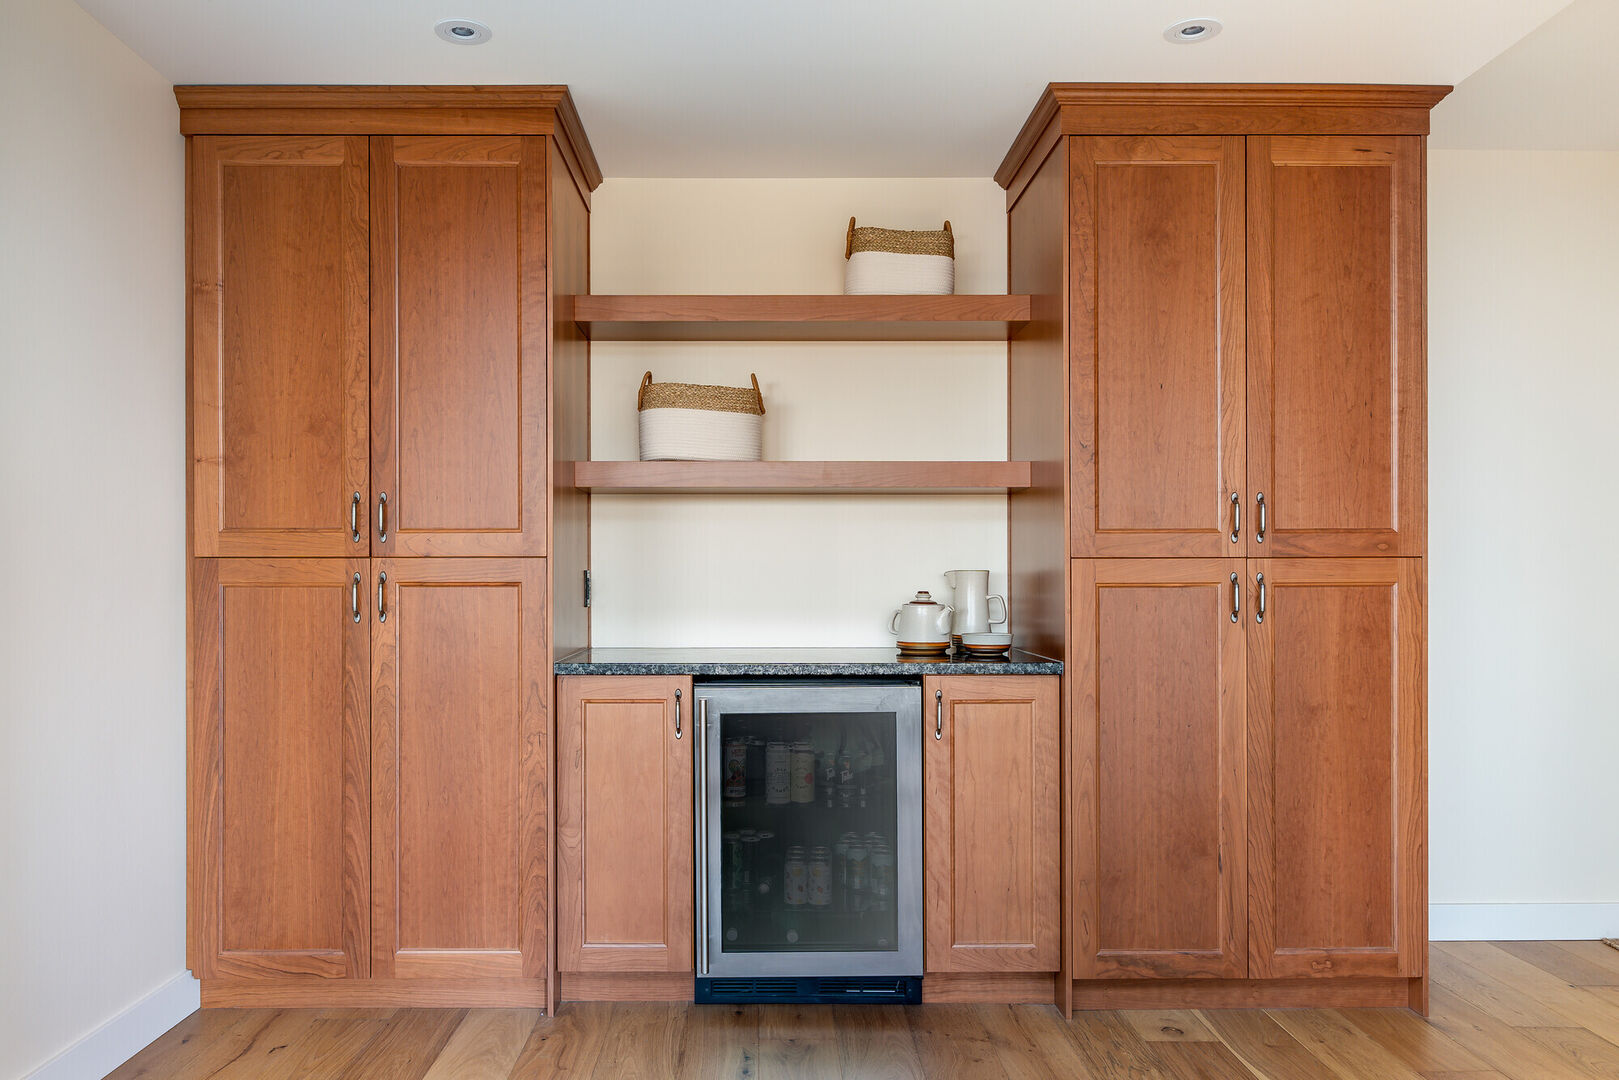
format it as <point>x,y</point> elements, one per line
<point>923,625</point>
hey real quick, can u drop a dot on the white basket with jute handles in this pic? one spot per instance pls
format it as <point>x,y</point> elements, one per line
<point>691,422</point>
<point>895,261</point>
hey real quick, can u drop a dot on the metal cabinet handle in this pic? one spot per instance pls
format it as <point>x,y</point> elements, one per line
<point>382,597</point>
<point>382,518</point>
<point>354,517</point>
<point>1259,534</point>
<point>1259,613</point>
<point>1236,517</point>
<point>677,714</point>
<point>938,714</point>
<point>354,596</point>
<point>1236,598</point>
<point>700,747</point>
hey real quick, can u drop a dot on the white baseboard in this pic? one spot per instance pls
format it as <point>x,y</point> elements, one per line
<point>1522,922</point>
<point>123,1035</point>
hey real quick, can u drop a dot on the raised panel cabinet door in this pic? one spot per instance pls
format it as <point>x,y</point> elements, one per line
<point>624,824</point>
<point>1337,412</point>
<point>279,345</point>
<point>991,806</point>
<point>278,769</point>
<point>459,687</point>
<point>1158,682</point>
<point>1156,369</point>
<point>460,334</point>
<point>1337,768</point>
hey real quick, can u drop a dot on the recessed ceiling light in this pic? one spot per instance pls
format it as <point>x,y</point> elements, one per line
<point>463,31</point>
<point>1191,31</point>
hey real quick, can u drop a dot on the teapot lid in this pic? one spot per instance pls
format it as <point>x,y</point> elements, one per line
<point>925,599</point>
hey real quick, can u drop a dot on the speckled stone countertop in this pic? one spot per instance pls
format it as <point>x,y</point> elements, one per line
<point>792,663</point>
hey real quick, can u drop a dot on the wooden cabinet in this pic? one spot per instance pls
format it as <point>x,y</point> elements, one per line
<point>460,333</point>
<point>459,681</point>
<point>1337,408</point>
<point>991,807</point>
<point>278,820</point>
<point>624,824</point>
<point>1337,769</point>
<point>1158,679</point>
<point>279,345</point>
<point>1157,379</point>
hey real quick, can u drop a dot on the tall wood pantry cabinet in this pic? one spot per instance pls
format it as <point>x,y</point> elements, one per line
<point>1223,393</point>
<point>380,394</point>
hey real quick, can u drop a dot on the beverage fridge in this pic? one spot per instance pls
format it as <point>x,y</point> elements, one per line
<point>809,841</point>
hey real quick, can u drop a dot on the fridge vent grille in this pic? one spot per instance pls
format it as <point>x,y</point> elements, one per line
<point>755,988</point>
<point>825,990</point>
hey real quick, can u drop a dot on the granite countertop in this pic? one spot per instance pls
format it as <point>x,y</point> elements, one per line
<point>797,663</point>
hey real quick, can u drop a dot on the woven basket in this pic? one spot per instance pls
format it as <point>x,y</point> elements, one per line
<point>895,261</point>
<point>689,422</point>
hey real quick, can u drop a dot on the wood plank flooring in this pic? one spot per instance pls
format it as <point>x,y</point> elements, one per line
<point>1529,1010</point>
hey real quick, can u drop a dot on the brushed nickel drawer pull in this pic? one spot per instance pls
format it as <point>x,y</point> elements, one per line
<point>1259,614</point>
<point>1236,598</point>
<point>938,714</point>
<point>354,517</point>
<point>677,714</point>
<point>1259,534</point>
<point>1236,517</point>
<point>382,518</point>
<point>354,596</point>
<point>382,597</point>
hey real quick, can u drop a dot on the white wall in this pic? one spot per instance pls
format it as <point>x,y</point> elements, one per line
<point>1523,569</point>
<point>792,570</point>
<point>92,671</point>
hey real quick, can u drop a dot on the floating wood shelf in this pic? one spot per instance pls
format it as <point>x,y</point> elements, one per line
<point>799,318</point>
<point>800,477</point>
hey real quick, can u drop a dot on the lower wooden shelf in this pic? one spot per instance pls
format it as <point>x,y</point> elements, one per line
<point>800,477</point>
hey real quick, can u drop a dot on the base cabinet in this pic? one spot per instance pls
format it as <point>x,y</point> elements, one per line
<point>625,795</point>
<point>990,836</point>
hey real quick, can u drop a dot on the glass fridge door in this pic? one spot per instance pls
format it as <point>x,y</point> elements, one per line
<point>810,829</point>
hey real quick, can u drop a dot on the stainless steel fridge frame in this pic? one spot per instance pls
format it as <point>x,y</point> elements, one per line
<point>904,700</point>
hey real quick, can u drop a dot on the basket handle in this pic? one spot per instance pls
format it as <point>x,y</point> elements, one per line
<point>848,241</point>
<point>756,390</point>
<point>947,229</point>
<point>640,395</point>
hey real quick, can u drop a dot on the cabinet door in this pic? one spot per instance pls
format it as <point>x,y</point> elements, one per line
<point>1158,682</point>
<point>279,345</point>
<point>624,824</point>
<point>460,332</point>
<point>991,807</point>
<point>279,822</point>
<point>1336,345</point>
<point>459,676</point>
<point>1337,769</point>
<point>1156,346</point>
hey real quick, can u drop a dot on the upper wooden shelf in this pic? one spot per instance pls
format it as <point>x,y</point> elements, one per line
<point>799,318</point>
<point>801,477</point>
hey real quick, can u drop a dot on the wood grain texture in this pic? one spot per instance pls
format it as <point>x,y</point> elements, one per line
<point>999,987</point>
<point>460,330</point>
<point>1337,770</point>
<point>605,317</point>
<point>1156,345</point>
<point>279,348</point>
<point>416,992</point>
<point>1337,407</point>
<point>1488,1026</point>
<point>812,477</point>
<point>1348,992</point>
<point>1158,683</point>
<point>1220,109</point>
<point>459,692</point>
<point>278,770</point>
<point>624,824</point>
<point>569,423</point>
<point>991,801</point>
<point>626,986</point>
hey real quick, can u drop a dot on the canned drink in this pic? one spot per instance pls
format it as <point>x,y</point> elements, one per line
<point>795,877</point>
<point>736,770</point>
<point>840,853</point>
<point>747,857</point>
<point>828,766</point>
<point>845,780</point>
<point>755,767</point>
<point>820,878</point>
<point>778,774</point>
<point>803,775</point>
<point>764,877</point>
<point>859,876</point>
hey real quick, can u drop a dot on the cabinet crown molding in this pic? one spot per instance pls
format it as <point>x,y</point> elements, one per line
<point>1220,109</point>
<point>391,110</point>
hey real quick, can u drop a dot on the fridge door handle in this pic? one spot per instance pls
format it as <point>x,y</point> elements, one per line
<point>700,747</point>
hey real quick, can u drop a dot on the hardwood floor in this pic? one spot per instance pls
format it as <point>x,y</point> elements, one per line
<point>1536,1010</point>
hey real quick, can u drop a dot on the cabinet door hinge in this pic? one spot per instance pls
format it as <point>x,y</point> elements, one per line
<point>587,588</point>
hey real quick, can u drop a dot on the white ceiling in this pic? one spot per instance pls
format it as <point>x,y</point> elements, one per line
<point>1557,89</point>
<point>835,88</point>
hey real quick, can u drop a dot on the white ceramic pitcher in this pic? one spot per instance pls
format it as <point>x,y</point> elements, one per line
<point>972,603</point>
